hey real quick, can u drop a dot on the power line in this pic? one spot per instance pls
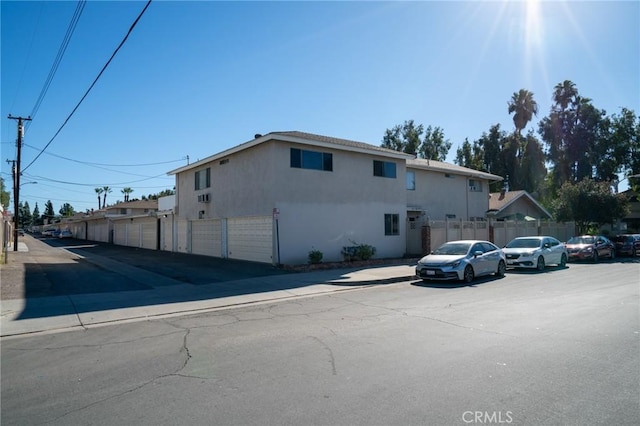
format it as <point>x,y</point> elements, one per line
<point>98,184</point>
<point>58,59</point>
<point>92,84</point>
<point>88,163</point>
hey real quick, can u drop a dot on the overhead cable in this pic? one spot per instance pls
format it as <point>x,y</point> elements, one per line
<point>56,63</point>
<point>92,84</point>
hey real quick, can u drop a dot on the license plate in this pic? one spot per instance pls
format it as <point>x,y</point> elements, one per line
<point>431,272</point>
<point>510,262</point>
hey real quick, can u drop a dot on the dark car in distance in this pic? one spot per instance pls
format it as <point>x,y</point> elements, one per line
<point>590,247</point>
<point>627,244</point>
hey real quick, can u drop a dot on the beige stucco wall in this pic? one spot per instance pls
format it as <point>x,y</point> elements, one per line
<point>240,187</point>
<point>254,181</point>
<point>321,209</point>
<point>439,196</point>
<point>330,226</point>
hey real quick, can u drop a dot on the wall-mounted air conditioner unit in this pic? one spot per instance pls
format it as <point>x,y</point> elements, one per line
<point>204,198</point>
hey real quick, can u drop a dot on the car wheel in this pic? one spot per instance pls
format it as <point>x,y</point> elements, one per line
<point>595,257</point>
<point>563,260</point>
<point>540,265</point>
<point>502,268</point>
<point>468,274</point>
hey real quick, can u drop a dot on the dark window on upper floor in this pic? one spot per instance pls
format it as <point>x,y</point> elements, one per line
<point>203,178</point>
<point>384,169</point>
<point>315,160</point>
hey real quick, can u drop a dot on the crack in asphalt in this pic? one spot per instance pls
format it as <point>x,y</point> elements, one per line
<point>403,313</point>
<point>327,348</point>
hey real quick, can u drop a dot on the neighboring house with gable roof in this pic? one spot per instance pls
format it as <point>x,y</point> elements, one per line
<point>516,205</point>
<point>278,196</point>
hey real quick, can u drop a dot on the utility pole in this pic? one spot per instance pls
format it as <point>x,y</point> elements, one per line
<point>16,178</point>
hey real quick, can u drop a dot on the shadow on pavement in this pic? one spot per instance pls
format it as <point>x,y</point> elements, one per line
<point>97,276</point>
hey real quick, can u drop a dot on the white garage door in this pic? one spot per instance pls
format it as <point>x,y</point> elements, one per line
<point>206,237</point>
<point>250,238</point>
<point>120,233</point>
<point>149,228</point>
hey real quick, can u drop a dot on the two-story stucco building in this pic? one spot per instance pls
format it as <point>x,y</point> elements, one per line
<point>278,196</point>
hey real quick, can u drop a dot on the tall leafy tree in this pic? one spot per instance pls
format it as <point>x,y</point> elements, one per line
<point>404,138</point>
<point>434,146</point>
<point>523,107</point>
<point>37,220</point>
<point>24,214</point>
<point>99,191</point>
<point>67,210</point>
<point>5,197</point>
<point>106,190</point>
<point>589,204</point>
<point>532,168</point>
<point>126,191</point>
<point>49,214</point>
<point>616,147</point>
<point>469,155</point>
<point>571,132</point>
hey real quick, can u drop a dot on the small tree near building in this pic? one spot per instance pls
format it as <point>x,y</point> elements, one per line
<point>589,203</point>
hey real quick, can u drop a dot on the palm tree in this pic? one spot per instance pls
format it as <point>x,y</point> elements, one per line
<point>106,191</point>
<point>126,191</point>
<point>524,108</point>
<point>564,94</point>
<point>99,192</point>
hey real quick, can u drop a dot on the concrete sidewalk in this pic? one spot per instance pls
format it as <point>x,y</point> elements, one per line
<point>78,311</point>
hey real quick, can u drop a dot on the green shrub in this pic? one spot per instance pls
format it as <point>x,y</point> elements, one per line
<point>358,252</point>
<point>315,256</point>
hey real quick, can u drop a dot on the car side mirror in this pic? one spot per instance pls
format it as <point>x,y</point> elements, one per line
<point>477,253</point>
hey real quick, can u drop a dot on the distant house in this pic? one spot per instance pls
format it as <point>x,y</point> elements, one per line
<point>516,205</point>
<point>130,223</point>
<point>131,208</point>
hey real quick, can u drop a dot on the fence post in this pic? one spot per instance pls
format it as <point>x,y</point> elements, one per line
<point>426,238</point>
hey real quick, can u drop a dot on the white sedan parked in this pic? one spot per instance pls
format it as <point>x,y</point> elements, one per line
<point>535,252</point>
<point>462,260</point>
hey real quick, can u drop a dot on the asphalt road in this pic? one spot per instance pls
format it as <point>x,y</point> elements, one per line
<point>555,348</point>
<point>90,267</point>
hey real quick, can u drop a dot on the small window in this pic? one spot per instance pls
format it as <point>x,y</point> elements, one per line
<point>411,180</point>
<point>203,178</point>
<point>475,185</point>
<point>314,160</point>
<point>225,161</point>
<point>123,211</point>
<point>391,224</point>
<point>384,169</point>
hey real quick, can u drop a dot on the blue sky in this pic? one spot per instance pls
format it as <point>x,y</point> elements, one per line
<point>196,78</point>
